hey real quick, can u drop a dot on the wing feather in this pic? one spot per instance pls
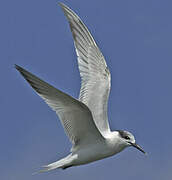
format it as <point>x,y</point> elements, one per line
<point>95,76</point>
<point>75,116</point>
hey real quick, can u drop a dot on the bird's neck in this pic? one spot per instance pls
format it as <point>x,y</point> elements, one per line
<point>115,142</point>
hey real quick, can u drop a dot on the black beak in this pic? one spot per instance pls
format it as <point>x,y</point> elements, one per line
<point>138,147</point>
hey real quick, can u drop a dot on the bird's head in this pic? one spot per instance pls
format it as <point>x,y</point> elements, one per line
<point>128,139</point>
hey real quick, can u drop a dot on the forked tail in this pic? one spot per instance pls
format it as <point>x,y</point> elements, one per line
<point>62,163</point>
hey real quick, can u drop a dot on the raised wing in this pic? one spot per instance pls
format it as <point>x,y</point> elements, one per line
<point>75,116</point>
<point>95,76</point>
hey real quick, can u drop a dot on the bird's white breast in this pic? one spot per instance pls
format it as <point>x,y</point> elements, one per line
<point>100,150</point>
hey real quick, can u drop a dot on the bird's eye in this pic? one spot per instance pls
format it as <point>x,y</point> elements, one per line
<point>127,137</point>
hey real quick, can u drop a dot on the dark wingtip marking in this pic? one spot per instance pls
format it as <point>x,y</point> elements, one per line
<point>26,76</point>
<point>18,67</point>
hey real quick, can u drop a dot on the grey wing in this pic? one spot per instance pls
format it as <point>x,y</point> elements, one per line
<point>75,117</point>
<point>95,76</point>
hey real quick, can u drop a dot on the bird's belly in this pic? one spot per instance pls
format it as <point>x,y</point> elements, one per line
<point>93,153</point>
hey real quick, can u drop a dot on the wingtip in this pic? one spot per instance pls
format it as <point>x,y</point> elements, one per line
<point>65,8</point>
<point>62,4</point>
<point>17,67</point>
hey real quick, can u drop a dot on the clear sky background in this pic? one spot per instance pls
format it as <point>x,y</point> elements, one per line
<point>136,40</point>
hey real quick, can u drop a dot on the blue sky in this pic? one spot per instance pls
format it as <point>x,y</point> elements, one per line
<point>136,40</point>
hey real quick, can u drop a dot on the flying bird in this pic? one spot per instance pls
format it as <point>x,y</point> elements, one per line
<point>85,119</point>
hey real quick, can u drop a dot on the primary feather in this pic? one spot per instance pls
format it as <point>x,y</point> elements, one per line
<point>95,76</point>
<point>75,116</point>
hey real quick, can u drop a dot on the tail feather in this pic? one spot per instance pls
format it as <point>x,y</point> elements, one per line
<point>55,165</point>
<point>62,163</point>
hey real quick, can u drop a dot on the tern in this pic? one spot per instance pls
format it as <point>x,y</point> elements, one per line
<point>85,119</point>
